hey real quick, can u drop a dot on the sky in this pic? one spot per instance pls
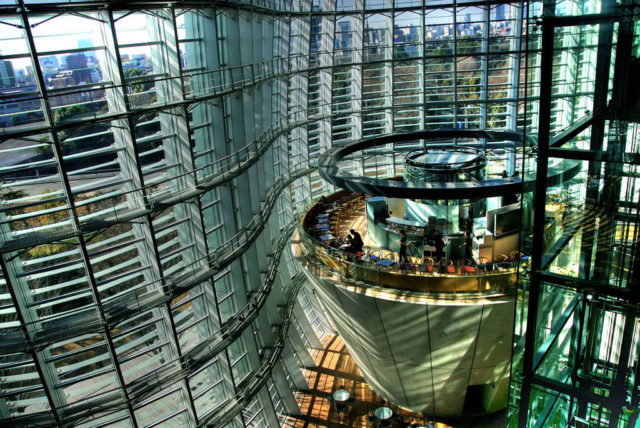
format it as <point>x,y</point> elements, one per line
<point>65,32</point>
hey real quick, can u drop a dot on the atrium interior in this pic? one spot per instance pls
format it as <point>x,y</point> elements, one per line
<point>178,178</point>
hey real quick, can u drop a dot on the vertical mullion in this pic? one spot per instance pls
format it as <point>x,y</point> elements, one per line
<point>69,196</point>
<point>514,81</point>
<point>484,71</point>
<point>546,68</point>
<point>455,64</point>
<point>193,182</point>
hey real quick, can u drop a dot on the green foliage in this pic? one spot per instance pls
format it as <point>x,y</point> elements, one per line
<point>45,250</point>
<point>400,53</point>
<point>148,116</point>
<point>469,45</point>
<point>8,194</point>
<point>24,118</point>
<point>445,49</point>
<point>64,113</point>
<point>54,217</point>
<point>135,79</point>
<point>131,74</point>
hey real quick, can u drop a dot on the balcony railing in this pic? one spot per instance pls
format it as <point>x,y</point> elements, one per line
<point>333,264</point>
<point>192,361</point>
<point>150,295</point>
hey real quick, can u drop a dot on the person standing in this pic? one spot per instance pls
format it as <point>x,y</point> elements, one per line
<point>468,248</point>
<point>403,247</point>
<point>439,244</point>
<point>468,222</point>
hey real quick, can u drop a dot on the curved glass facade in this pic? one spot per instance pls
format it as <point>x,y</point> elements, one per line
<point>145,216</point>
<point>153,160</point>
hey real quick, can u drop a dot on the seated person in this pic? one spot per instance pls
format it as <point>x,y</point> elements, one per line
<point>356,241</point>
<point>346,243</point>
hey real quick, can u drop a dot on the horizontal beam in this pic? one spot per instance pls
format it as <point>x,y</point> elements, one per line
<point>571,391</point>
<point>329,168</point>
<point>268,7</point>
<point>601,289</point>
<point>593,155</point>
<point>619,13</point>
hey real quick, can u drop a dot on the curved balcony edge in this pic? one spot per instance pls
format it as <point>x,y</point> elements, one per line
<point>87,320</point>
<point>178,369</point>
<point>253,385</point>
<point>337,266</point>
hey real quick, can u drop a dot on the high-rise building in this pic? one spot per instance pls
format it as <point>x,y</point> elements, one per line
<point>7,75</point>
<point>77,65</point>
<point>167,255</point>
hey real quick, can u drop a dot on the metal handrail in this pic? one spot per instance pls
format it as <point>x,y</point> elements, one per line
<point>368,274</point>
<point>189,363</point>
<point>150,295</point>
<point>259,377</point>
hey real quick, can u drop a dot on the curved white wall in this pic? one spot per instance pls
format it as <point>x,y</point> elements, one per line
<point>423,354</point>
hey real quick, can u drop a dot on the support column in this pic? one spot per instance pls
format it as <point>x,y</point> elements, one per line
<point>548,31</point>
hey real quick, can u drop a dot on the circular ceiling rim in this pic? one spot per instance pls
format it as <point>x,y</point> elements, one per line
<point>329,171</point>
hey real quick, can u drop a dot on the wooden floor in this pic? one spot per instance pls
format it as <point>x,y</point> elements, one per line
<point>335,369</point>
<point>357,219</point>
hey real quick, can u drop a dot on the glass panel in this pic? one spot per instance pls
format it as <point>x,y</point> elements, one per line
<point>239,360</point>
<point>159,408</point>
<point>207,388</point>
<point>20,378</point>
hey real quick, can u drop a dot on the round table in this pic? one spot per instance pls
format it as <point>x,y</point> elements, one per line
<point>341,395</point>
<point>383,413</point>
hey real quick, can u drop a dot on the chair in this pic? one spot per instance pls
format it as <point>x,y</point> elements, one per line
<point>482,263</point>
<point>502,261</point>
<point>468,267</point>
<point>450,268</point>
<point>427,266</point>
<point>333,222</point>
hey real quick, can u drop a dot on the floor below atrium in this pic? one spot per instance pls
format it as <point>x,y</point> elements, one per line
<point>336,369</point>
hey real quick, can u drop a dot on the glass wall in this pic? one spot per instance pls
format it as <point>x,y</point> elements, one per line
<point>138,159</point>
<point>576,353</point>
<point>152,159</point>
